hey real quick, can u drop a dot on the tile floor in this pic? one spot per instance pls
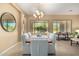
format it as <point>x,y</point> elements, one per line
<point>63,48</point>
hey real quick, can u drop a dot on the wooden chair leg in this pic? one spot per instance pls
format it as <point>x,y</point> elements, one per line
<point>77,43</point>
<point>71,42</point>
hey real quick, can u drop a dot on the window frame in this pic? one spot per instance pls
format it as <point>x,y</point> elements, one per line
<point>7,30</point>
<point>34,21</point>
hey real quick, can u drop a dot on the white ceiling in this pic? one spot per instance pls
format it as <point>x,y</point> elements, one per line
<point>50,8</point>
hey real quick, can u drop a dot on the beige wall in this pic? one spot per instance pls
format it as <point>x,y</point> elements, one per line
<point>74,18</point>
<point>23,21</point>
<point>23,24</point>
<point>7,39</point>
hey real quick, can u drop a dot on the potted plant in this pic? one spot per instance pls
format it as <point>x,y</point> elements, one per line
<point>74,34</point>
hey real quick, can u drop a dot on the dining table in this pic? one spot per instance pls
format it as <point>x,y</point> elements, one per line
<point>40,43</point>
<point>42,37</point>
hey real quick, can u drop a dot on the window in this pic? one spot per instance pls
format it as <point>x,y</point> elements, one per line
<point>62,26</point>
<point>8,22</point>
<point>40,26</point>
<point>56,27</point>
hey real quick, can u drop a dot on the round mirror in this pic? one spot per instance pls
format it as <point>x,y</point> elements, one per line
<point>8,22</point>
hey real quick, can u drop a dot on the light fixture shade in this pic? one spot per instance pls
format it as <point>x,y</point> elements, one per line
<point>37,12</point>
<point>35,15</point>
<point>42,14</point>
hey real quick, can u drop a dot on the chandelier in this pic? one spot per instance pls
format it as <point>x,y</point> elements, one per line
<point>38,14</point>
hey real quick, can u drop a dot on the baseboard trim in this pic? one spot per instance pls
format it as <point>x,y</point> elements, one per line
<point>6,50</point>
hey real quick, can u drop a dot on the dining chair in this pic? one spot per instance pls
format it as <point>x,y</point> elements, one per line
<point>29,33</point>
<point>25,45</point>
<point>51,46</point>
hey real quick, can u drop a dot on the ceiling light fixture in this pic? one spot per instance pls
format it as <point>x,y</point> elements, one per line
<point>38,14</point>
